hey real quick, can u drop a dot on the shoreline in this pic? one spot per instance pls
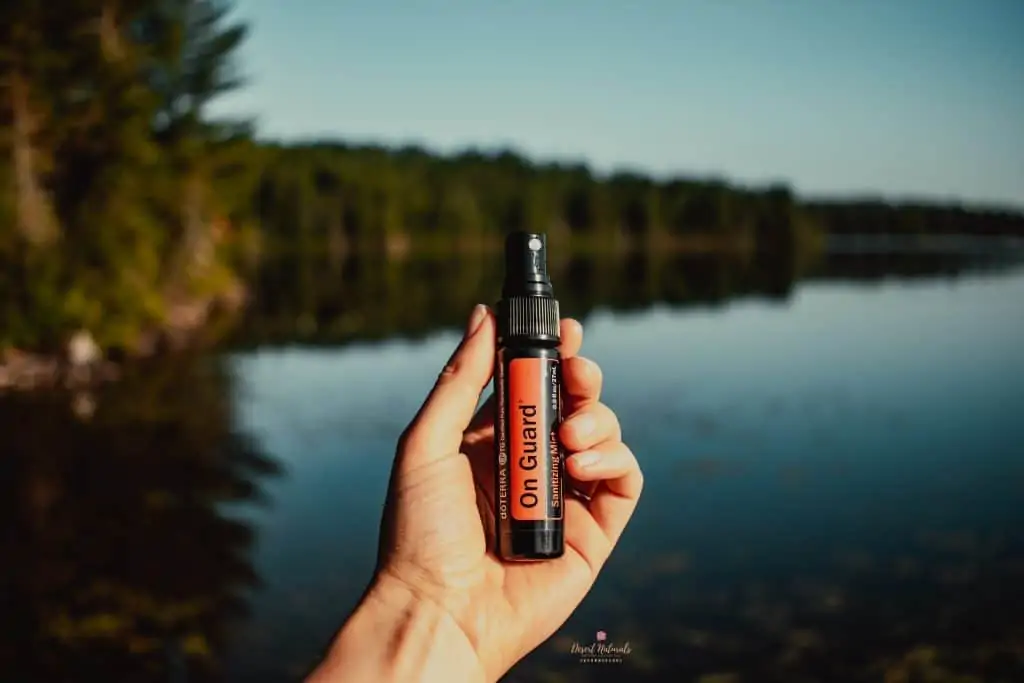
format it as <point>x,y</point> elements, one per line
<point>81,365</point>
<point>22,371</point>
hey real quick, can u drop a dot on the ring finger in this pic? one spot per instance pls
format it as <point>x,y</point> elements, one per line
<point>589,427</point>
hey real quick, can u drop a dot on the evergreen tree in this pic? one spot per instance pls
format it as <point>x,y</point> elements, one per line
<point>113,174</point>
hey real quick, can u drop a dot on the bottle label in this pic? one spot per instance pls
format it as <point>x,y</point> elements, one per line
<point>532,415</point>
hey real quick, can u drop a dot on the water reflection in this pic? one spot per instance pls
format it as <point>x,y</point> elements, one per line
<point>833,471</point>
<point>318,299</point>
<point>119,562</point>
<point>811,470</point>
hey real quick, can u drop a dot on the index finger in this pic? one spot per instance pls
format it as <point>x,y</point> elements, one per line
<point>581,380</point>
<point>571,332</point>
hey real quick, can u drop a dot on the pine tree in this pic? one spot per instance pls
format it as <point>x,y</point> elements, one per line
<point>192,46</point>
<point>105,146</point>
<point>30,68</point>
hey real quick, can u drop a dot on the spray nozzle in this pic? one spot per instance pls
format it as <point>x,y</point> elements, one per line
<point>526,265</point>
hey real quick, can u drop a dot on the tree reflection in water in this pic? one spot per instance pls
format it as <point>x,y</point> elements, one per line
<point>118,561</point>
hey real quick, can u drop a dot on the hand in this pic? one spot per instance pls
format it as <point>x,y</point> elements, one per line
<point>441,606</point>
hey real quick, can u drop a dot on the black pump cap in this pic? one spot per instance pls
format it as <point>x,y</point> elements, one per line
<point>528,310</point>
<point>526,265</point>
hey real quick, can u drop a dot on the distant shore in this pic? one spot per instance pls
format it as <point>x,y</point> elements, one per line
<point>20,370</point>
<point>81,364</point>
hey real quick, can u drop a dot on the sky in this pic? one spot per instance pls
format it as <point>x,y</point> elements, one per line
<point>902,99</point>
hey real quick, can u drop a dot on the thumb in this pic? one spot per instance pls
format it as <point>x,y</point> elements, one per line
<point>437,429</point>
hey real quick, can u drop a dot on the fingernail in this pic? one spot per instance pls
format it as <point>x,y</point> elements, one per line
<point>476,318</point>
<point>583,425</point>
<point>587,458</point>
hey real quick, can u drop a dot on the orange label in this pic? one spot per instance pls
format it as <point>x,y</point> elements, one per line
<point>530,428</point>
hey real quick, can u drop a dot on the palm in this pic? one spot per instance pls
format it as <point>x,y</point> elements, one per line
<point>536,597</point>
<point>440,515</point>
<point>449,525</point>
<point>521,581</point>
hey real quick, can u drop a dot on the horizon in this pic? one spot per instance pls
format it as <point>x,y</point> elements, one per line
<point>916,102</point>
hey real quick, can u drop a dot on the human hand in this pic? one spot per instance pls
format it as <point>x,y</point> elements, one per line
<point>441,606</point>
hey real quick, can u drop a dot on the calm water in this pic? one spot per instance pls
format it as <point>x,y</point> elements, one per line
<point>834,490</point>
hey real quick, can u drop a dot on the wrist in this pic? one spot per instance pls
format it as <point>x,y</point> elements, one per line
<point>396,636</point>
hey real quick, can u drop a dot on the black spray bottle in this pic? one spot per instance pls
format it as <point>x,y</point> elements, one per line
<point>529,510</point>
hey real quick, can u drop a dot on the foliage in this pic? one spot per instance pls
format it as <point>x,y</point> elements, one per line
<point>113,174</point>
<point>121,558</point>
<point>330,194</point>
<point>127,209</point>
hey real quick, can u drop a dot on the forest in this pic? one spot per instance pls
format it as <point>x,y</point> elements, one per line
<point>127,209</point>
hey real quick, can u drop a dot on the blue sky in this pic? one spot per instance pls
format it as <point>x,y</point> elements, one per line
<point>919,98</point>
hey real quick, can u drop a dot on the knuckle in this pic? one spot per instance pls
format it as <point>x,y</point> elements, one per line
<point>590,372</point>
<point>638,472</point>
<point>410,443</point>
<point>628,456</point>
<point>448,372</point>
<point>609,417</point>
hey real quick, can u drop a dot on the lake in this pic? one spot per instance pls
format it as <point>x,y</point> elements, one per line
<point>834,461</point>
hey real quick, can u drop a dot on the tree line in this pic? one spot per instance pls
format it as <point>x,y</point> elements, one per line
<point>879,217</point>
<point>329,194</point>
<point>127,208</point>
<point>336,195</point>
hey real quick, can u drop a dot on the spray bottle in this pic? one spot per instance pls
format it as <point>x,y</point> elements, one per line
<point>529,510</point>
